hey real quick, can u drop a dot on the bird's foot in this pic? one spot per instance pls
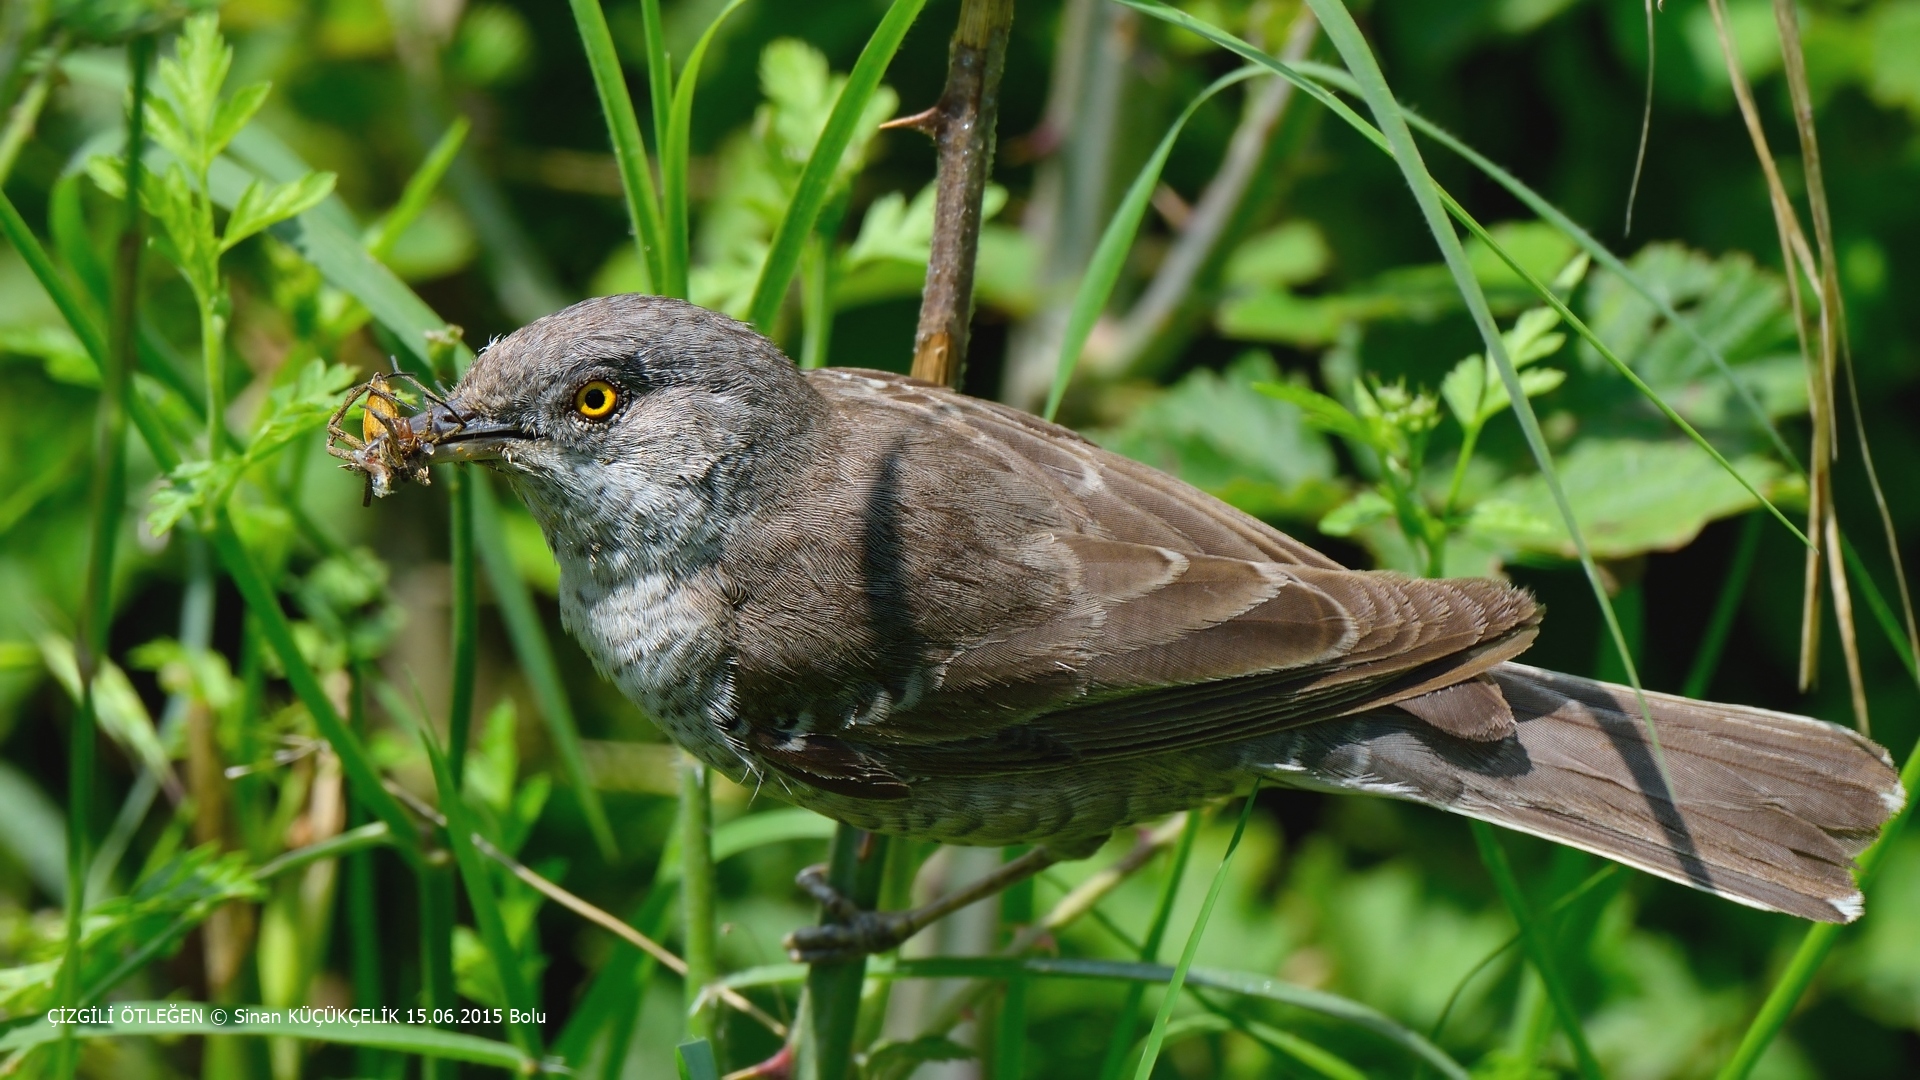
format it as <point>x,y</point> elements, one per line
<point>852,933</point>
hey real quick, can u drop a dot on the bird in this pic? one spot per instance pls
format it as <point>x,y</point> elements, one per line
<point>934,616</point>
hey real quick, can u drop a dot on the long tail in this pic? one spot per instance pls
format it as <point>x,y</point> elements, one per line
<point>1764,808</point>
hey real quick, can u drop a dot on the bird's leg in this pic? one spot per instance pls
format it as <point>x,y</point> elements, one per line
<point>854,932</point>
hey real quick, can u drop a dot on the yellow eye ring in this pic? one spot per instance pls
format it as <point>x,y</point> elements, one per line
<point>596,400</point>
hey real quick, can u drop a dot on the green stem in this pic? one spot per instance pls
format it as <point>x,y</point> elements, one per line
<point>696,892</point>
<point>1010,1029</point>
<point>466,621</point>
<point>816,301</point>
<point>436,954</point>
<point>107,498</point>
<point>213,366</point>
<point>485,905</point>
<point>363,913</point>
<point>535,653</point>
<point>1469,438</point>
<point>1539,949</point>
<point>856,868</point>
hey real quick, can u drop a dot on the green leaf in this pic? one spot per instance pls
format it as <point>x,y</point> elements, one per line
<point>674,154</point>
<point>36,833</point>
<point>1215,431</point>
<point>1110,254</point>
<point>823,165</point>
<point>483,900</point>
<point>1363,509</point>
<point>264,204</point>
<point>299,407</point>
<point>234,113</point>
<point>1286,255</point>
<point>1322,412</point>
<point>1739,309</point>
<point>1632,496</point>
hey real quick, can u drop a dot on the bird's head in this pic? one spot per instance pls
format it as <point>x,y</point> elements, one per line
<point>630,419</point>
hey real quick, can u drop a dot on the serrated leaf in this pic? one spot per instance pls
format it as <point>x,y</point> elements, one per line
<point>234,113</point>
<point>1537,381</point>
<point>1320,410</point>
<point>168,130</point>
<point>297,408</point>
<point>1213,431</point>
<point>263,205</point>
<point>1734,304</point>
<point>189,488</point>
<point>1634,496</point>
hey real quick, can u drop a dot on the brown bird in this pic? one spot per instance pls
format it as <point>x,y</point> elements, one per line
<point>934,616</point>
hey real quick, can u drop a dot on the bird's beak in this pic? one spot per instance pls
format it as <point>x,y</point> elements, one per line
<point>457,435</point>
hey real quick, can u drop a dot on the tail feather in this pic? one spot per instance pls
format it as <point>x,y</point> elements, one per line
<point>1760,807</point>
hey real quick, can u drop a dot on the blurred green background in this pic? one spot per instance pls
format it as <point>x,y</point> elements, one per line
<point>1319,272</point>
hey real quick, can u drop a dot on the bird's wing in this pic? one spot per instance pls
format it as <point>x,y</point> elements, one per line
<point>1067,603</point>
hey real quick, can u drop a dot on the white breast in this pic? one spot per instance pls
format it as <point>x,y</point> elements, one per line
<point>645,632</point>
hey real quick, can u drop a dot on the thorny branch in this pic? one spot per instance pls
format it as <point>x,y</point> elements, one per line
<point>962,126</point>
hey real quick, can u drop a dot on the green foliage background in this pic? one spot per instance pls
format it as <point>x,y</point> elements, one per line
<point>1316,374</point>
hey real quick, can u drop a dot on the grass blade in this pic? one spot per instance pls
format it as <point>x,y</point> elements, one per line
<point>674,155</point>
<point>1157,1035</point>
<point>623,128</point>
<point>480,897</point>
<point>816,180</point>
<point>420,187</point>
<point>1128,1019</point>
<point>1713,641</point>
<point>1110,255</point>
<point>530,645</point>
<point>1537,943</point>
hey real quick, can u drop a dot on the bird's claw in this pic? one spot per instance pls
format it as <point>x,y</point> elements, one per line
<point>852,932</point>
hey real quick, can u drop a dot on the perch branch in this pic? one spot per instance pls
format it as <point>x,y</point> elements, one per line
<point>962,126</point>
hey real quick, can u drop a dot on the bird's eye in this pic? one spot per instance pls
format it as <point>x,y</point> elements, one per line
<point>595,400</point>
